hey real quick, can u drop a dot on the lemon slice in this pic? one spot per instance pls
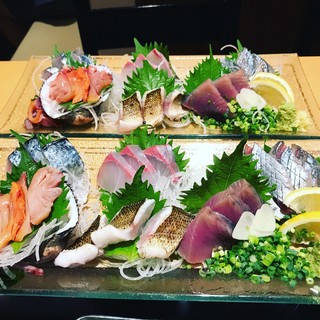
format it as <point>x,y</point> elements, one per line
<point>303,199</point>
<point>308,220</point>
<point>273,88</point>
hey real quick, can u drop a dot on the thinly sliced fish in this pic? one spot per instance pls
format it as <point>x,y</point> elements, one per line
<point>163,233</point>
<point>126,224</point>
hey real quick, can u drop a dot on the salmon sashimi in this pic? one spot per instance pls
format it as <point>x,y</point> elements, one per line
<point>43,191</point>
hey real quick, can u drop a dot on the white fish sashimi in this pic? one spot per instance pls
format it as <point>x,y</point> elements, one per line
<point>114,232</point>
<point>77,257</point>
<point>114,172</point>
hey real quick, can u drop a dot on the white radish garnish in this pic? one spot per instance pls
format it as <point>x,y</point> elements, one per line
<point>248,98</point>
<point>261,224</point>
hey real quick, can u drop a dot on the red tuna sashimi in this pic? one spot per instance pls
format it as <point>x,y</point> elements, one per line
<point>162,158</point>
<point>206,100</point>
<point>61,89</point>
<point>239,79</point>
<point>114,172</point>
<point>134,155</point>
<point>225,87</point>
<point>206,232</point>
<point>43,191</point>
<point>240,196</point>
<point>98,81</point>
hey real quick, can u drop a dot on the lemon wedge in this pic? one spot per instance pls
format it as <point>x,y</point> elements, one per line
<point>273,88</point>
<point>303,199</point>
<point>308,220</point>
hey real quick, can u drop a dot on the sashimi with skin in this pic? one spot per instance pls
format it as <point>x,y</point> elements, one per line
<point>126,224</point>
<point>206,232</point>
<point>163,232</point>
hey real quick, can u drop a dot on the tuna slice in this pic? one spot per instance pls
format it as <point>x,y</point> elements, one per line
<point>240,196</point>
<point>225,87</point>
<point>114,172</point>
<point>126,224</point>
<point>163,233</point>
<point>162,158</point>
<point>206,232</point>
<point>239,80</point>
<point>206,100</point>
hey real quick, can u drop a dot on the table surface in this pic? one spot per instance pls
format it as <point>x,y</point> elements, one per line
<point>11,72</point>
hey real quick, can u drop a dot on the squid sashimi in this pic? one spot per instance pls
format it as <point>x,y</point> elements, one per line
<point>126,224</point>
<point>114,172</point>
<point>240,196</point>
<point>206,232</point>
<point>163,233</point>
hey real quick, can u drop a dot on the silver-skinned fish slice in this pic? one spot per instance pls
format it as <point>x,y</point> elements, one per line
<point>163,233</point>
<point>126,224</point>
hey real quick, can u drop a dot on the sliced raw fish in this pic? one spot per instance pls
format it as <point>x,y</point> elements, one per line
<point>158,59</point>
<point>151,106</point>
<point>226,87</point>
<point>126,224</point>
<point>162,158</point>
<point>239,80</point>
<point>130,113</point>
<point>172,107</point>
<point>206,100</point>
<point>135,156</point>
<point>206,232</point>
<point>163,232</point>
<point>114,172</point>
<point>34,149</point>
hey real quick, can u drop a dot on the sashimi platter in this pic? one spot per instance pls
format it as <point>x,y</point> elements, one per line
<point>238,93</point>
<point>143,211</point>
<point>148,207</point>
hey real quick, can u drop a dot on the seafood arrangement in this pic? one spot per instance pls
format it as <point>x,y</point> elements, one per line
<point>157,211</point>
<point>223,94</point>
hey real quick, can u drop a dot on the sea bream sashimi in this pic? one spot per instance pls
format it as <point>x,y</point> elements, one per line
<point>126,225</point>
<point>240,196</point>
<point>206,232</point>
<point>163,233</point>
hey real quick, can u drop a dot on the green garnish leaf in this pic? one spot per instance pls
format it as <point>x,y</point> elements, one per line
<point>209,68</point>
<point>136,191</point>
<point>140,49</point>
<point>146,79</point>
<point>222,174</point>
<point>141,137</point>
<point>126,250</point>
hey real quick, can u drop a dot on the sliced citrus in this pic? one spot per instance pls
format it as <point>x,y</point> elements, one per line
<point>308,220</point>
<point>303,199</point>
<point>273,88</point>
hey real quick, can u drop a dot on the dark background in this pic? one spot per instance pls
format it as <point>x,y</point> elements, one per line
<point>269,26</point>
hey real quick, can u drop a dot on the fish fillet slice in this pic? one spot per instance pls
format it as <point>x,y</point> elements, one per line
<point>163,232</point>
<point>125,226</point>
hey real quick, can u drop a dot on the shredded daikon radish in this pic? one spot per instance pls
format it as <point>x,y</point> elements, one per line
<point>35,71</point>
<point>147,268</point>
<point>95,117</point>
<point>32,245</point>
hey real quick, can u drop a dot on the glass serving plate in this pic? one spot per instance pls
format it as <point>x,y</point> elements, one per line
<point>14,112</point>
<point>97,280</point>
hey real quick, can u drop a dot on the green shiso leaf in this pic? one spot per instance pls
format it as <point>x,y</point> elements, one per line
<point>146,79</point>
<point>144,50</point>
<point>136,191</point>
<point>209,68</point>
<point>221,174</point>
<point>145,139</point>
<point>123,251</point>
